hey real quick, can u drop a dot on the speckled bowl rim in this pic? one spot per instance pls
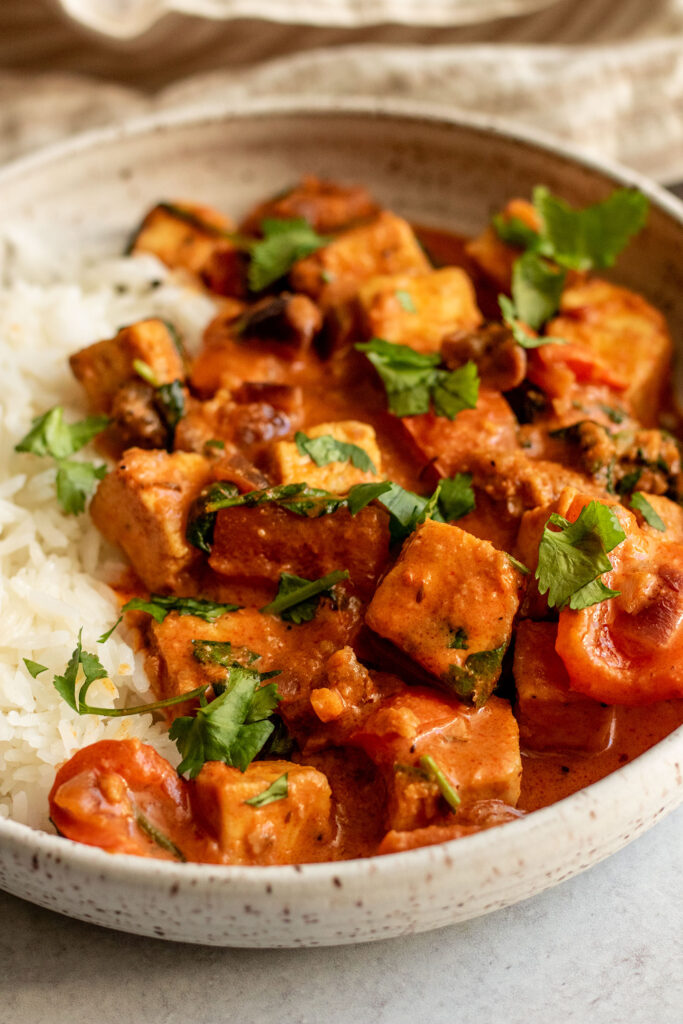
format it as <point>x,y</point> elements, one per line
<point>516,836</point>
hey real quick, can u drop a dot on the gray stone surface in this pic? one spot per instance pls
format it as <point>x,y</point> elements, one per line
<point>604,948</point>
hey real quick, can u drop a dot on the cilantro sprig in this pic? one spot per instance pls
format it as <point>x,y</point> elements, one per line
<point>297,599</point>
<point>233,728</point>
<point>283,243</point>
<point>573,556</point>
<point>452,499</point>
<point>413,380</point>
<point>326,449</point>
<point>640,503</point>
<point>51,436</point>
<point>160,605</point>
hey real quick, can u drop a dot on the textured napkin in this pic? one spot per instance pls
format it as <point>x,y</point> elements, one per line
<point>605,75</point>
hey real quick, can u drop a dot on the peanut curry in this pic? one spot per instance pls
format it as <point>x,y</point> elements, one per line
<point>405,535</point>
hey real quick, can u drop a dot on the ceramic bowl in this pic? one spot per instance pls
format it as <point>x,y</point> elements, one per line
<point>433,169</point>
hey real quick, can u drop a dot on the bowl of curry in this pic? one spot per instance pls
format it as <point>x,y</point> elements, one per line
<point>403,532</point>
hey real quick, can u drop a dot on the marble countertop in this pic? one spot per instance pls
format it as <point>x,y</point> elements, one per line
<point>603,948</point>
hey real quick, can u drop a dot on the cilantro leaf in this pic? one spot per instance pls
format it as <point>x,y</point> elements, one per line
<point>229,729</point>
<point>159,606</point>
<point>51,436</point>
<point>325,449</point>
<point>456,497</point>
<point>284,242</point>
<point>590,238</point>
<point>640,503</point>
<point>411,380</point>
<point>34,667</point>
<point>75,482</point>
<point>157,836</point>
<point>476,679</point>
<point>448,792</point>
<point>297,598</point>
<point>277,790</point>
<point>221,652</point>
<point>575,555</point>
<point>519,566</point>
<point>408,376</point>
<point>522,336</point>
<point>361,495</point>
<point>459,640</point>
<point>536,289</point>
<point>405,300</point>
<point>515,231</point>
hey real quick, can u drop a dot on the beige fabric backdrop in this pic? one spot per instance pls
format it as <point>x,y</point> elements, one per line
<point>607,74</point>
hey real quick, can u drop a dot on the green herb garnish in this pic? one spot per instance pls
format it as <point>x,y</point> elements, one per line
<point>157,836</point>
<point>222,652</point>
<point>51,436</point>
<point>475,680</point>
<point>325,449</point>
<point>277,790</point>
<point>297,599</point>
<point>233,728</point>
<point>412,380</point>
<point>159,606</point>
<point>284,242</point>
<point>519,566</point>
<point>572,558</point>
<point>448,792</point>
<point>405,300</point>
<point>34,667</point>
<point>640,503</point>
<point>169,399</point>
<point>459,640</point>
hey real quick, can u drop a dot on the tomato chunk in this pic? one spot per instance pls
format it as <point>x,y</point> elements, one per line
<point>122,796</point>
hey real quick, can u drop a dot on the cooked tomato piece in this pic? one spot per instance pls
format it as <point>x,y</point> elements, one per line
<point>629,649</point>
<point>123,796</point>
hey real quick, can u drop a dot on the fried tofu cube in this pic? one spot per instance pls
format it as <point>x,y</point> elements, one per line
<point>449,603</point>
<point>477,750</point>
<point>292,829</point>
<point>326,206</point>
<point>261,542</point>
<point>333,274</point>
<point>292,467</point>
<point>103,367</point>
<point>494,256</point>
<point>626,333</point>
<point>419,310</point>
<point>298,653</point>
<point>550,715</point>
<point>142,506</point>
<point>187,236</point>
<point>448,444</point>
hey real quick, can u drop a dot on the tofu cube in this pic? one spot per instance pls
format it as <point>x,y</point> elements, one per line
<point>333,274</point>
<point>292,830</point>
<point>297,652</point>
<point>626,333</point>
<point>477,750</point>
<point>419,310</point>
<point>552,717</point>
<point>449,603</point>
<point>103,367</point>
<point>142,506</point>
<point>293,467</point>
<point>261,542</point>
<point>194,238</point>
<point>326,206</point>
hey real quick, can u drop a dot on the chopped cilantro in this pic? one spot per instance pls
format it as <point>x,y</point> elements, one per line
<point>448,791</point>
<point>405,300</point>
<point>519,566</point>
<point>34,667</point>
<point>519,332</point>
<point>297,599</point>
<point>459,640</point>
<point>515,231</point>
<point>573,557</point>
<point>233,728</point>
<point>615,415</point>
<point>325,449</point>
<point>277,790</point>
<point>159,606</point>
<point>169,399</point>
<point>157,836</point>
<point>283,243</point>
<point>412,380</point>
<point>51,436</point>
<point>640,503</point>
<point>456,497</point>
<point>475,680</point>
<point>222,652</point>
<point>536,289</point>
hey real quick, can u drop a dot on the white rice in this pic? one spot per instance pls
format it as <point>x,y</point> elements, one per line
<point>53,567</point>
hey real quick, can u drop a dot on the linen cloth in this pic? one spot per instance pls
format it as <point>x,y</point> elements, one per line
<point>605,75</point>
